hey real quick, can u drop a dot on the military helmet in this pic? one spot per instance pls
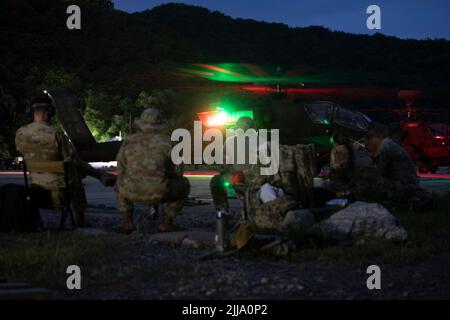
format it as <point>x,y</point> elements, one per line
<point>150,120</point>
<point>42,101</point>
<point>245,123</point>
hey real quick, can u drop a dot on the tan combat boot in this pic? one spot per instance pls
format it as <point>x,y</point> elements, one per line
<point>128,224</point>
<point>168,226</point>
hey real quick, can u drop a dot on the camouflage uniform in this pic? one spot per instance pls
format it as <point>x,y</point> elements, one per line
<point>297,171</point>
<point>296,178</point>
<point>359,175</point>
<point>247,174</point>
<point>146,174</point>
<point>400,175</point>
<point>42,142</point>
<point>396,167</point>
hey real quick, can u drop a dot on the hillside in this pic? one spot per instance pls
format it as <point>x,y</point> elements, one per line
<point>117,55</point>
<point>115,43</point>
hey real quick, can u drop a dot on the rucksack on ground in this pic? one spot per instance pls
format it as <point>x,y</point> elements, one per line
<point>18,211</point>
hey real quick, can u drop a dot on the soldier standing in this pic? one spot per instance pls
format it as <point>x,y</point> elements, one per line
<point>147,175</point>
<point>40,141</point>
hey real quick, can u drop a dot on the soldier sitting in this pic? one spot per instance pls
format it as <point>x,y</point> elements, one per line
<point>397,170</point>
<point>147,175</point>
<point>353,171</point>
<point>40,141</point>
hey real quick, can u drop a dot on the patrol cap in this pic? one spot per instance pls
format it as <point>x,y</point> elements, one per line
<point>150,120</point>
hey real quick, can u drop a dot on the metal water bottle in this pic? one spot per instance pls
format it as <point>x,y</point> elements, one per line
<point>222,237</point>
<point>154,212</point>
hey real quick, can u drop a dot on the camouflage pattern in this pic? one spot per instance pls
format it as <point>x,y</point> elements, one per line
<point>141,167</point>
<point>296,178</point>
<point>243,235</point>
<point>150,120</point>
<point>397,168</point>
<point>400,176</point>
<point>42,142</point>
<point>366,183</point>
<point>362,178</point>
<point>340,172</point>
<point>391,177</point>
<point>269,216</point>
<point>146,174</point>
<point>297,171</point>
<point>249,173</point>
<point>339,157</point>
<point>38,141</point>
<point>250,178</point>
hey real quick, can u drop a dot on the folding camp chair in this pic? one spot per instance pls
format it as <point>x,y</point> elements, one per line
<point>53,199</point>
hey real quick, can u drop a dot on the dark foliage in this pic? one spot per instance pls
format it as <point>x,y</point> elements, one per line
<point>124,54</point>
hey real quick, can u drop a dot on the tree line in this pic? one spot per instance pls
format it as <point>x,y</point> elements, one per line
<point>119,62</point>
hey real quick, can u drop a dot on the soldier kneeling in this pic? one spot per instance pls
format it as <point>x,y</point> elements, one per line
<point>147,175</point>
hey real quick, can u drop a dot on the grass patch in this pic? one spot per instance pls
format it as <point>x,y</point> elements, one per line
<point>429,234</point>
<point>41,259</point>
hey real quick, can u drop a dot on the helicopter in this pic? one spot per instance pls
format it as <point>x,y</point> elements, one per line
<point>68,112</point>
<point>312,122</point>
<point>305,113</point>
<point>302,122</point>
<point>422,133</point>
<point>307,118</point>
<point>424,138</point>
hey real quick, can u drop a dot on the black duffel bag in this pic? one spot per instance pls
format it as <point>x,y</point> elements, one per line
<point>18,211</point>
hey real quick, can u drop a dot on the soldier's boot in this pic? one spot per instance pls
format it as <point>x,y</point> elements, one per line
<point>166,225</point>
<point>170,211</point>
<point>127,226</point>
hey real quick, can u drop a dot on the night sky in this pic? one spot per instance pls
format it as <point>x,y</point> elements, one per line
<point>417,19</point>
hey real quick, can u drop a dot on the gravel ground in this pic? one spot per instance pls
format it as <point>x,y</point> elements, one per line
<point>162,271</point>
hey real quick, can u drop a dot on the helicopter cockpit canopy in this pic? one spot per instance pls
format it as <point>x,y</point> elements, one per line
<point>320,112</point>
<point>323,112</point>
